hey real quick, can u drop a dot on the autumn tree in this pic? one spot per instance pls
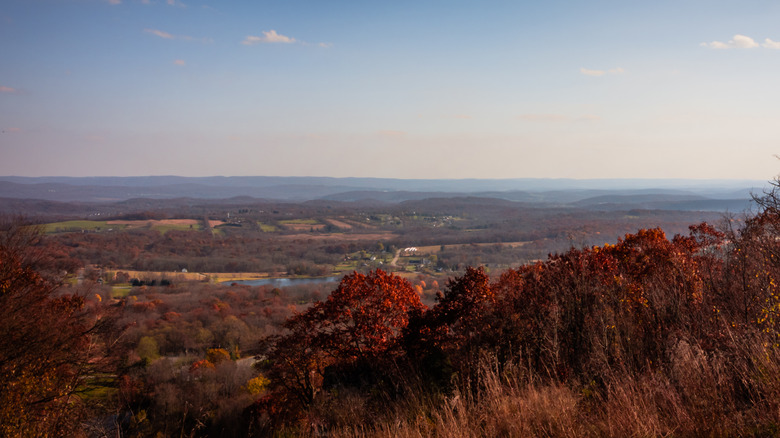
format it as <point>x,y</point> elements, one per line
<point>752,266</point>
<point>347,339</point>
<point>455,332</point>
<point>47,341</point>
<point>617,306</point>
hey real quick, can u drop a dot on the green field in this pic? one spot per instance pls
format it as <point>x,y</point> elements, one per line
<point>97,226</point>
<point>164,228</point>
<point>101,387</point>
<point>350,265</point>
<point>74,226</point>
<point>300,222</point>
<point>267,228</point>
<point>120,291</point>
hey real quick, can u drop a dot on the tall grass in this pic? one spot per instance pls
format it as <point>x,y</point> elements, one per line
<point>735,392</point>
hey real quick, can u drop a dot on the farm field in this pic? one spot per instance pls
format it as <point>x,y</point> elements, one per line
<point>77,226</point>
<point>267,228</point>
<point>434,249</point>
<point>346,237</point>
<point>302,225</point>
<point>339,224</point>
<point>300,240</point>
<point>160,225</point>
<point>214,277</point>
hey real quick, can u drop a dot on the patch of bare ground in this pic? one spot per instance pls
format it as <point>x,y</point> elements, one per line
<point>339,224</point>
<point>359,224</point>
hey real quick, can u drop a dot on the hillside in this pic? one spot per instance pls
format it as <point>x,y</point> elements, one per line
<point>555,191</point>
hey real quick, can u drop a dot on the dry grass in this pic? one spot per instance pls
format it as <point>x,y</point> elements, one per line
<point>510,411</point>
<point>700,395</point>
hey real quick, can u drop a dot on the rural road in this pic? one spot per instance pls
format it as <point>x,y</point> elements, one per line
<point>395,259</point>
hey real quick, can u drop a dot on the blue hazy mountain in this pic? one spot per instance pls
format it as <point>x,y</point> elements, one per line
<point>605,194</point>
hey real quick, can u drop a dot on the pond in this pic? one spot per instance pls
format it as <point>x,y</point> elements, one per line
<point>285,282</point>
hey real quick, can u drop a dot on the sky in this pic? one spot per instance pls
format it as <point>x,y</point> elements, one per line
<point>396,89</point>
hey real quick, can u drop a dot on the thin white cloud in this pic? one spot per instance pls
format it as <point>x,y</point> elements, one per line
<point>769,44</point>
<point>273,37</point>
<point>169,36</point>
<point>737,42</point>
<point>4,89</point>
<point>180,62</point>
<point>176,3</point>
<point>160,33</point>
<point>114,2</point>
<point>589,72</point>
<point>251,39</point>
<point>462,116</point>
<point>612,71</point>
<point>268,37</point>
<point>326,45</point>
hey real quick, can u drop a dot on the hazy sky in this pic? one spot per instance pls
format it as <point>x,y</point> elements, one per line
<point>405,89</point>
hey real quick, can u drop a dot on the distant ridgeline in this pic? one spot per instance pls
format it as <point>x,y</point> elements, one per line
<point>669,194</point>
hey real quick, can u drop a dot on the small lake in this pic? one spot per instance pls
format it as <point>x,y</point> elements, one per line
<point>285,282</point>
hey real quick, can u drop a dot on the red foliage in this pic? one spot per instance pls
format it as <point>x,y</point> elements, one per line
<point>171,316</point>
<point>363,317</point>
<point>48,343</point>
<point>200,365</point>
<point>360,322</point>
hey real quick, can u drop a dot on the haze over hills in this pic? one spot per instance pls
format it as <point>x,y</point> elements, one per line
<point>112,189</point>
<point>87,196</point>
